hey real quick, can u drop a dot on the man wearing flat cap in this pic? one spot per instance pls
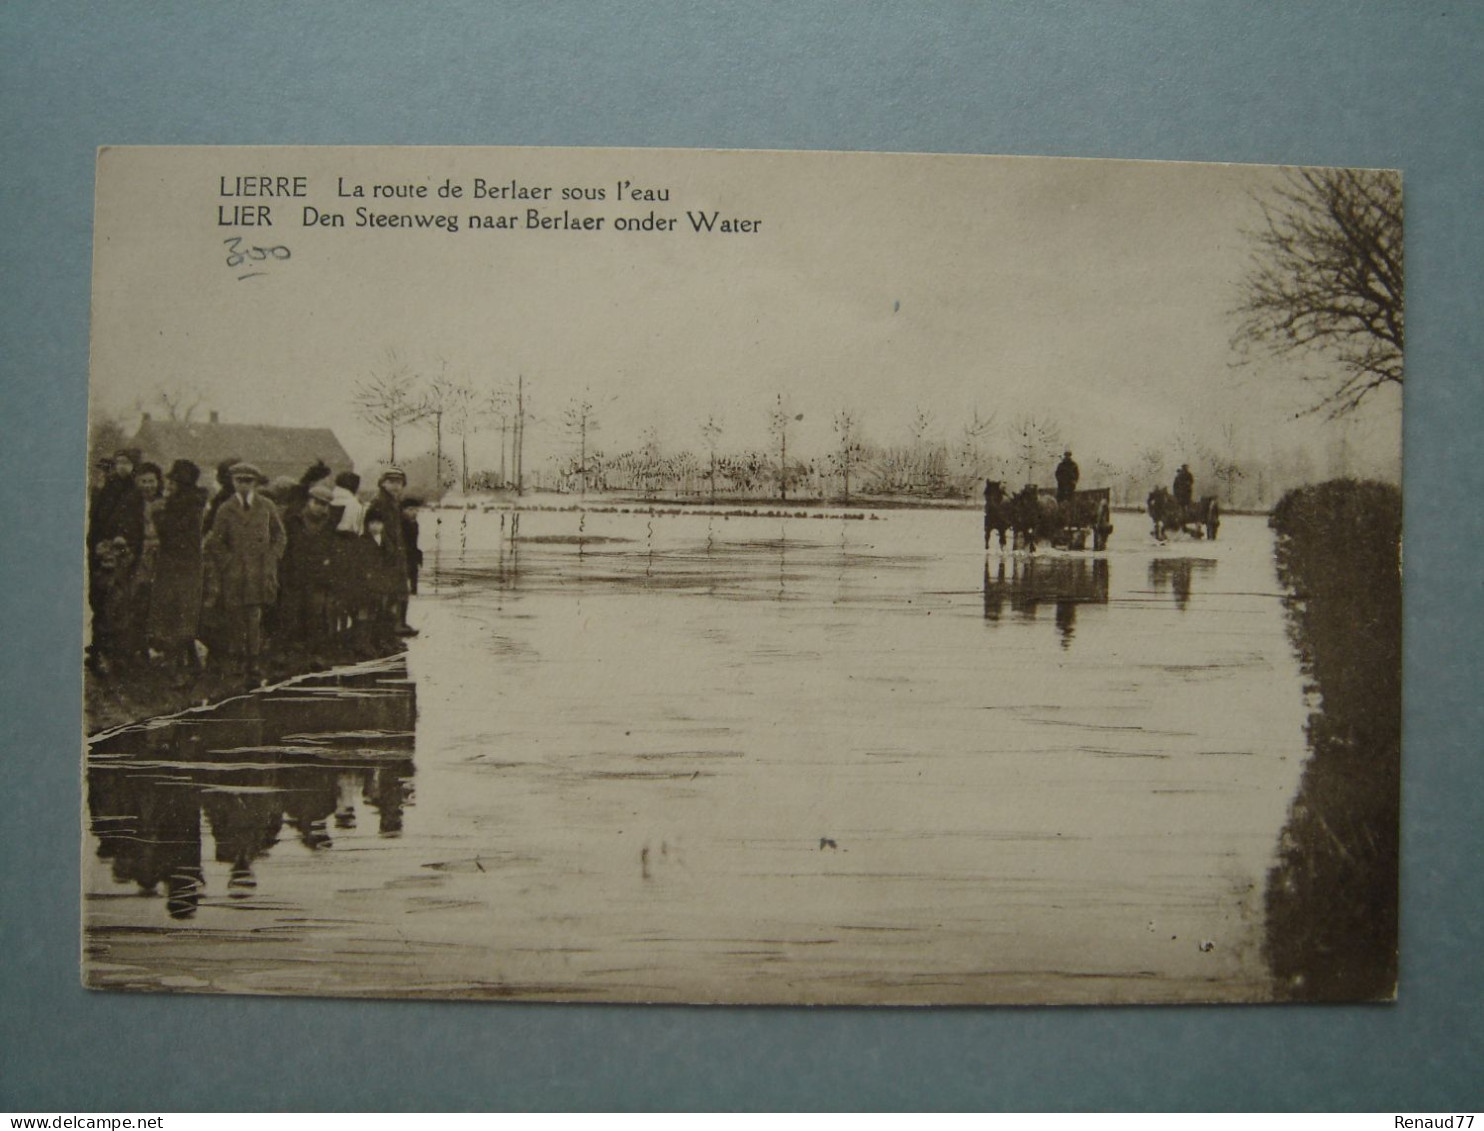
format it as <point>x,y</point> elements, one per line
<point>247,540</point>
<point>388,507</point>
<point>308,570</point>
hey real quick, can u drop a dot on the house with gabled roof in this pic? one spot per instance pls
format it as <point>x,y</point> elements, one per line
<point>274,449</point>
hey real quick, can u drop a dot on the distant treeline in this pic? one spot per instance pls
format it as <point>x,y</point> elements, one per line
<point>926,471</point>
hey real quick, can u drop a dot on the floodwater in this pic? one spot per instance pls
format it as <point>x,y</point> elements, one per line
<point>743,759</point>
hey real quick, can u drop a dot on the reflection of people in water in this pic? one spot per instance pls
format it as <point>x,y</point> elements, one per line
<point>245,826</point>
<point>994,593</point>
<point>149,822</point>
<point>386,791</point>
<point>1036,582</point>
<point>309,806</point>
<point>1178,574</point>
<point>345,805</point>
<point>1066,620</point>
<point>151,830</point>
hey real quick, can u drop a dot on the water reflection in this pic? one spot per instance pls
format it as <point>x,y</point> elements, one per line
<point>1028,583</point>
<point>1176,574</point>
<point>859,794</point>
<point>304,757</point>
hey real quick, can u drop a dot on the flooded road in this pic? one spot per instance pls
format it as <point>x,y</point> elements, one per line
<point>745,759</point>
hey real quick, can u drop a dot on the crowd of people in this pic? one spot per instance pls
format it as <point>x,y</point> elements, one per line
<point>181,577</point>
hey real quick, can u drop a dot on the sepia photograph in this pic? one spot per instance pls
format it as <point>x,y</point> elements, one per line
<point>742,577</point>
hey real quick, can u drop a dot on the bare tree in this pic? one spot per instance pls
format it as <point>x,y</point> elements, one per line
<point>454,402</point>
<point>389,400</point>
<point>178,403</point>
<point>711,435</point>
<point>1326,279</point>
<point>971,448</point>
<point>1034,438</point>
<point>1226,469</point>
<point>497,405</point>
<point>437,402</point>
<point>580,421</point>
<point>651,460</point>
<point>849,454</point>
<point>518,435</point>
<point>779,419</point>
<point>1151,466</point>
<point>922,420</point>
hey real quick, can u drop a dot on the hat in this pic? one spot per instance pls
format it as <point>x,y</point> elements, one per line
<point>183,472</point>
<point>392,471</point>
<point>322,493</point>
<point>240,470</point>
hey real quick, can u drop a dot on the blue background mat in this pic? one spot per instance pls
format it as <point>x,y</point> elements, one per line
<point>1333,82</point>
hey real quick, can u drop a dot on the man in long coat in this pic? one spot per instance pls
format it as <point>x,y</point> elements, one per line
<point>246,542</point>
<point>308,570</point>
<point>1184,486</point>
<point>1067,475</point>
<point>387,506</point>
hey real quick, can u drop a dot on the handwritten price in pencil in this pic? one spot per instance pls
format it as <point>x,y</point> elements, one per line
<point>255,260</point>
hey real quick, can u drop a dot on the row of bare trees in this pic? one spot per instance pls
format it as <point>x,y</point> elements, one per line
<point>924,465</point>
<point>397,397</point>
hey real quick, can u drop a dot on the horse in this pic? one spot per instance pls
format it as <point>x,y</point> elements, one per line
<point>1034,516</point>
<point>998,513</point>
<point>1019,514</point>
<point>1201,518</point>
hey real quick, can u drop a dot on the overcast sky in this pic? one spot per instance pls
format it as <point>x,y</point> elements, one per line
<point>1093,293</point>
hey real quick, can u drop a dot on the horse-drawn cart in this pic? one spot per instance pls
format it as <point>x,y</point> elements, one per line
<point>1034,515</point>
<point>1086,517</point>
<point>1200,518</point>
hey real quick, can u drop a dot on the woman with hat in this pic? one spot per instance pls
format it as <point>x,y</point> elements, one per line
<point>175,600</point>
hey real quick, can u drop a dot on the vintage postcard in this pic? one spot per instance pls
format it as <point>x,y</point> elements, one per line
<point>742,577</point>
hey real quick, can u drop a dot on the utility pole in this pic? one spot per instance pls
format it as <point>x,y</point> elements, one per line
<point>779,423</point>
<point>783,463</point>
<point>520,433</point>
